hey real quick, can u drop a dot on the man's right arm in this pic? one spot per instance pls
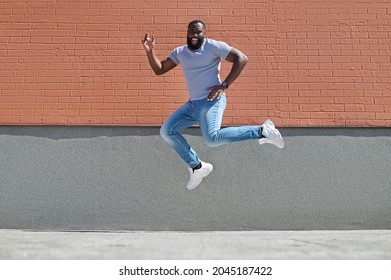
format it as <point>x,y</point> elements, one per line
<point>159,67</point>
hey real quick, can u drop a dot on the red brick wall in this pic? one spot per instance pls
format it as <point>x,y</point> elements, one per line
<point>80,62</point>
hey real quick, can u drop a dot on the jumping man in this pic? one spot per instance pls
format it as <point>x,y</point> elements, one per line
<point>201,60</point>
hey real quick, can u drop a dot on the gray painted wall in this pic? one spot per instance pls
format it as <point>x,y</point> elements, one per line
<point>126,178</point>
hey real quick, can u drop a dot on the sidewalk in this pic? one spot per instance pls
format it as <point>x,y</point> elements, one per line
<point>270,245</point>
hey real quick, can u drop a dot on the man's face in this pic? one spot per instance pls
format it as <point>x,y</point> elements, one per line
<point>195,36</point>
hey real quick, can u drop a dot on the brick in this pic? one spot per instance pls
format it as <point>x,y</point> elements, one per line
<point>78,64</point>
<point>120,120</point>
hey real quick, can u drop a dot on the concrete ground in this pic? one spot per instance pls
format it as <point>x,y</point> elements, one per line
<point>218,245</point>
<point>127,178</point>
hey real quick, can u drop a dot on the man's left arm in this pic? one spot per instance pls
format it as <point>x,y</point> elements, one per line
<point>238,60</point>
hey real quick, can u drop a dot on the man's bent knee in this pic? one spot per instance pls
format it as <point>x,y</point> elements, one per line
<point>211,140</point>
<point>165,133</point>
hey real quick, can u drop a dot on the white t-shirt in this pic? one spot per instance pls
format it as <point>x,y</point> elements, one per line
<point>201,67</point>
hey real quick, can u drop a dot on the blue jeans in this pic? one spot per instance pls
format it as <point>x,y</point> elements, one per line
<point>208,114</point>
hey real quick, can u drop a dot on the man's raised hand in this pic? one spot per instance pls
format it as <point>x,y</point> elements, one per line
<point>148,42</point>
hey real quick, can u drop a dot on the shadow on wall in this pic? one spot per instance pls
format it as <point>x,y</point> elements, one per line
<point>60,132</point>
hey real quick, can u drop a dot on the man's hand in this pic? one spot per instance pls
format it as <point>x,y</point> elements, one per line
<point>216,92</point>
<point>158,67</point>
<point>148,42</point>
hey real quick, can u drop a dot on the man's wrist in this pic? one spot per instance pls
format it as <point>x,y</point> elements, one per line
<point>225,84</point>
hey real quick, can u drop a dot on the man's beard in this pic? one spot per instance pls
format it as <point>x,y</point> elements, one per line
<point>197,46</point>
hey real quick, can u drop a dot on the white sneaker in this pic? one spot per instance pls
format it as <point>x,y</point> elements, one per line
<point>198,174</point>
<point>272,135</point>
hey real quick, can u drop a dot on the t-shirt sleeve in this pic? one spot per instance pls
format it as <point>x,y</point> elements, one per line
<point>174,56</point>
<point>221,49</point>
